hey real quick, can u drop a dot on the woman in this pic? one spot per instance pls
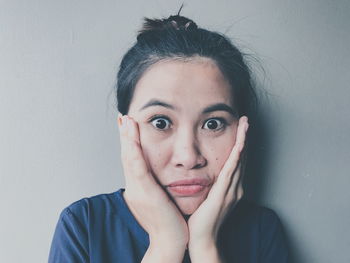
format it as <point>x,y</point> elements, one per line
<point>184,96</point>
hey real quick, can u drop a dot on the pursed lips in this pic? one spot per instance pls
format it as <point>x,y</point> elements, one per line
<point>188,187</point>
<point>193,181</point>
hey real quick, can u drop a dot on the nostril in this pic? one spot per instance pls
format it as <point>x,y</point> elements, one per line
<point>197,166</point>
<point>200,165</point>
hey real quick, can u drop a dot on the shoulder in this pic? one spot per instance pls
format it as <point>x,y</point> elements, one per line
<point>249,213</point>
<point>258,213</point>
<point>271,235</point>
<point>87,207</point>
<point>77,222</point>
<point>253,232</point>
<point>262,220</point>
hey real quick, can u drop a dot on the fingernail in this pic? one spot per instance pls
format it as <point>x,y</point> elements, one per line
<point>120,116</point>
<point>122,123</point>
<point>246,127</point>
<point>243,119</point>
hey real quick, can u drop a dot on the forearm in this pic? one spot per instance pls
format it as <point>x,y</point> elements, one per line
<point>206,254</point>
<point>158,252</point>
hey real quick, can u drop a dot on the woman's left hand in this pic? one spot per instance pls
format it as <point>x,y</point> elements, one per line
<point>227,190</point>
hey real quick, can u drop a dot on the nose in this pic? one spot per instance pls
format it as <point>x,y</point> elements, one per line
<point>186,151</point>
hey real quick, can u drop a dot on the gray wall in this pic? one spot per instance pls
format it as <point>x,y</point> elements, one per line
<point>59,139</point>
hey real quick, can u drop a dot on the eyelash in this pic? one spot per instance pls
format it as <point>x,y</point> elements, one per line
<point>222,120</point>
<point>155,117</point>
<point>221,127</point>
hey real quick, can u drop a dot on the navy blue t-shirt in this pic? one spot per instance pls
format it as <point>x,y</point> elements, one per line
<point>101,229</point>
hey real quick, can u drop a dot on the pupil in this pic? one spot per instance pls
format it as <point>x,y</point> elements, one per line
<point>212,124</point>
<point>160,124</point>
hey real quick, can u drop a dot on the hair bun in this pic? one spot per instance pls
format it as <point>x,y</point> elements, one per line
<point>172,22</point>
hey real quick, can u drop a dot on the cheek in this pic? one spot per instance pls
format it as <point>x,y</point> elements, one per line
<point>155,151</point>
<point>219,151</point>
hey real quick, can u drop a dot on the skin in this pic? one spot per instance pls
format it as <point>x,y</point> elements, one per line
<point>190,144</point>
<point>185,149</point>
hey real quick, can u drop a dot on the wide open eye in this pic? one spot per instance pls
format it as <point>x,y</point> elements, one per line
<point>161,123</point>
<point>215,124</point>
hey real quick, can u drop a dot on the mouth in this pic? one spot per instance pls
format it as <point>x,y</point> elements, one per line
<point>189,187</point>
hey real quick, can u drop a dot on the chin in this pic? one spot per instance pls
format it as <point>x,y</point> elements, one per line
<point>188,205</point>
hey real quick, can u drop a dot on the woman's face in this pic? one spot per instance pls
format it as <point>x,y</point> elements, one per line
<point>187,126</point>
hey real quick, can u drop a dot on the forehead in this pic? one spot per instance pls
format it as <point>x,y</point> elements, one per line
<point>185,83</point>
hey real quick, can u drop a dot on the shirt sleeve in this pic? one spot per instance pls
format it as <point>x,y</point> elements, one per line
<point>70,240</point>
<point>273,242</point>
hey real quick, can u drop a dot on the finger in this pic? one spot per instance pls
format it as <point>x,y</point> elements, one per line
<point>224,179</point>
<point>218,192</point>
<point>232,190</point>
<point>235,191</point>
<point>138,178</point>
<point>132,156</point>
<point>240,191</point>
<point>232,160</point>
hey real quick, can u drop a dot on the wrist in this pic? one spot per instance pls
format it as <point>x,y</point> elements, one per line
<point>168,242</point>
<point>204,253</point>
<point>160,251</point>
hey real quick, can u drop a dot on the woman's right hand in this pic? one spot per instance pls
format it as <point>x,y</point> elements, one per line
<point>149,203</point>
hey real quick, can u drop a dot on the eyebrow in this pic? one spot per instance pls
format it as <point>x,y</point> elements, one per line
<point>209,109</point>
<point>155,102</point>
<point>220,107</point>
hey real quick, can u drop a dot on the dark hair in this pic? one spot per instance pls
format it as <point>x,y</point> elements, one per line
<point>178,37</point>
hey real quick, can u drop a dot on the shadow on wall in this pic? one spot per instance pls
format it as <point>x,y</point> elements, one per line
<point>259,159</point>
